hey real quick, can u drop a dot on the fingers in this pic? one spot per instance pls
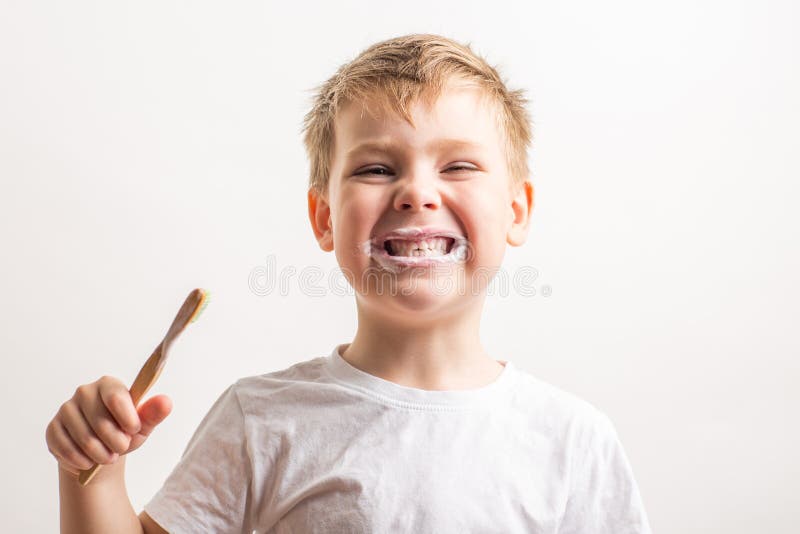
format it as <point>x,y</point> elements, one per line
<point>85,432</point>
<point>77,427</point>
<point>108,408</point>
<point>100,423</point>
<point>63,447</point>
<point>118,402</point>
<point>105,428</point>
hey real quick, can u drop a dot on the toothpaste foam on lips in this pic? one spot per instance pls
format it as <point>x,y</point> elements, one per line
<point>416,247</point>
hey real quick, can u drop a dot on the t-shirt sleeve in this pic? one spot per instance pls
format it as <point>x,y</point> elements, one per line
<point>208,489</point>
<point>604,497</point>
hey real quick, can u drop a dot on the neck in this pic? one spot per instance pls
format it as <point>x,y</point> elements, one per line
<point>441,354</point>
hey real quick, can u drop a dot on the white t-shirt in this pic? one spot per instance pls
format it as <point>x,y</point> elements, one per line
<point>325,447</point>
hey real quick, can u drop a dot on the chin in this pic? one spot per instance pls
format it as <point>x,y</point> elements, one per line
<point>418,306</point>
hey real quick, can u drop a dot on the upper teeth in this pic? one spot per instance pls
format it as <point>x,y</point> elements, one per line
<point>433,246</point>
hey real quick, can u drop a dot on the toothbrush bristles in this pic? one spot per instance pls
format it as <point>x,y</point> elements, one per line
<point>203,304</point>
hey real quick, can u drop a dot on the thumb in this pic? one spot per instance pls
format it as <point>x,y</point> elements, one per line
<point>151,413</point>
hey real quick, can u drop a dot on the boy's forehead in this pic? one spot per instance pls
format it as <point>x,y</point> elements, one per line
<point>462,113</point>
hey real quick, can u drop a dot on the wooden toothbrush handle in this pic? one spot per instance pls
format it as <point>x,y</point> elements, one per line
<point>147,376</point>
<point>88,474</point>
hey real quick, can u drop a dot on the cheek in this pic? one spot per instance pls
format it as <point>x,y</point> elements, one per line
<point>483,209</point>
<point>353,207</point>
<point>485,219</point>
<point>357,216</point>
<point>354,219</point>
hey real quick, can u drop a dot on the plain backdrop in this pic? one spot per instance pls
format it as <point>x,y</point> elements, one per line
<point>147,148</point>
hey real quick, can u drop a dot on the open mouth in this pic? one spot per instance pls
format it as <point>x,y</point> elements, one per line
<point>427,248</point>
<point>417,247</point>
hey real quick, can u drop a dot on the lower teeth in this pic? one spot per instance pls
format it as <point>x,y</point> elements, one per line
<point>419,252</point>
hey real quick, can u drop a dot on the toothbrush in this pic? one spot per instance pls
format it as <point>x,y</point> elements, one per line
<point>192,307</point>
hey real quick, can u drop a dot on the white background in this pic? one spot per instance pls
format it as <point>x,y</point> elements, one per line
<point>147,148</point>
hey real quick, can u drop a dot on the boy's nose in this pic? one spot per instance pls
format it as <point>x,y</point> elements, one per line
<point>415,195</point>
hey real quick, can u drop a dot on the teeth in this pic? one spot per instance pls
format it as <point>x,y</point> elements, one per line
<point>434,246</point>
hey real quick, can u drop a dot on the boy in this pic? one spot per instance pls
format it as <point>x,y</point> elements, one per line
<point>418,180</point>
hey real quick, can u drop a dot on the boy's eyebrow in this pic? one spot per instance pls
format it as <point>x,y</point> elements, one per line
<point>438,144</point>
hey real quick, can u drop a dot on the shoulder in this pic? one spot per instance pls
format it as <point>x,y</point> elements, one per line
<point>602,493</point>
<point>565,413</point>
<point>292,383</point>
<point>311,370</point>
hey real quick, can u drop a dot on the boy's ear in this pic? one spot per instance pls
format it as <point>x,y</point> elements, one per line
<point>521,208</point>
<point>319,213</point>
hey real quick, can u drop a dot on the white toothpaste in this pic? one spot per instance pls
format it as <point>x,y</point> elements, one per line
<point>458,252</point>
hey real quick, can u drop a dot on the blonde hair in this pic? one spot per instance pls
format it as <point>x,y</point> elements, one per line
<point>400,71</point>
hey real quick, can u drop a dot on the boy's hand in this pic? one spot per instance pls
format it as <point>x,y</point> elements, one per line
<point>100,423</point>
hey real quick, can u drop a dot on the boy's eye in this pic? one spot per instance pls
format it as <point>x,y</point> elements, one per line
<point>461,168</point>
<point>374,170</point>
<point>383,171</point>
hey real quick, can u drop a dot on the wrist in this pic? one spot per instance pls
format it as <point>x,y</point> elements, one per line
<point>114,472</point>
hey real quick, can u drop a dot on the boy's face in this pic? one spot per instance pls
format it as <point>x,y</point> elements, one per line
<point>449,175</point>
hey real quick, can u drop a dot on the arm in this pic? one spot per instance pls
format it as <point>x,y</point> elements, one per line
<point>150,526</point>
<point>100,506</point>
<point>100,424</point>
<point>604,495</point>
